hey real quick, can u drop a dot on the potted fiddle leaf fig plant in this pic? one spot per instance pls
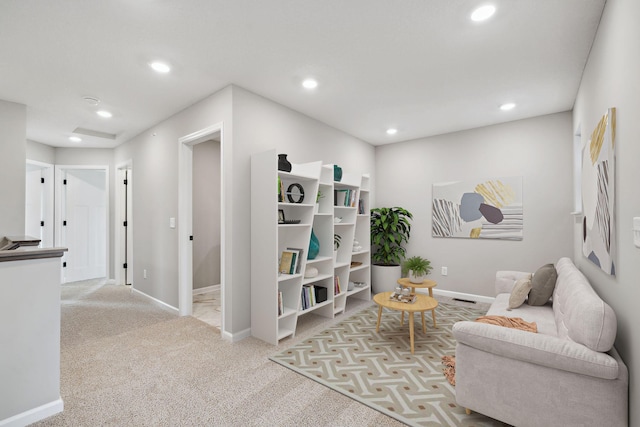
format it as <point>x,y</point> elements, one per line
<point>417,268</point>
<point>390,230</point>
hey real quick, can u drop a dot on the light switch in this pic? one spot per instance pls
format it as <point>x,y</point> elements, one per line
<point>172,222</point>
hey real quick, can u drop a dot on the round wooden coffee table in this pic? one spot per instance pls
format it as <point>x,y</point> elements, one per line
<point>426,284</point>
<point>422,304</point>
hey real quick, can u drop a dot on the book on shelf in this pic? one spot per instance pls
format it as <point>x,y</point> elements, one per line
<point>337,289</point>
<point>280,304</point>
<point>280,190</point>
<point>286,260</point>
<point>299,258</point>
<point>361,207</point>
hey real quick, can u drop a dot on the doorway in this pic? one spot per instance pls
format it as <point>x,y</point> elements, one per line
<point>82,212</point>
<point>124,224</point>
<point>39,202</point>
<point>185,218</point>
<point>206,231</point>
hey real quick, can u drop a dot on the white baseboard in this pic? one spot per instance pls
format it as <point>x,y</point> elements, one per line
<point>33,415</point>
<point>157,301</point>
<point>460,295</point>
<point>237,336</point>
<point>206,289</point>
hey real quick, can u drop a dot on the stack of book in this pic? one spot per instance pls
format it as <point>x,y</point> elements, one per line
<point>345,197</point>
<point>291,261</point>
<point>312,295</point>
<point>337,289</point>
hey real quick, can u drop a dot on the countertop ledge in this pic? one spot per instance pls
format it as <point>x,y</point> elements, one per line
<point>31,253</point>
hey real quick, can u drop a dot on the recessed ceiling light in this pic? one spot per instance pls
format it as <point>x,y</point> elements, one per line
<point>75,139</point>
<point>310,83</point>
<point>508,106</point>
<point>392,131</point>
<point>160,67</point>
<point>104,113</point>
<point>483,12</point>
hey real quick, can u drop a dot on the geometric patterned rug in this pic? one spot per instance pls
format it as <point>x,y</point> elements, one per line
<point>378,369</point>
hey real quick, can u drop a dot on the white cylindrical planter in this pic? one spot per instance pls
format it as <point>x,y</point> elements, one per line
<point>385,278</point>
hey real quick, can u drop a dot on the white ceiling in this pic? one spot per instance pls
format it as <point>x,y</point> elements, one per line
<point>421,66</point>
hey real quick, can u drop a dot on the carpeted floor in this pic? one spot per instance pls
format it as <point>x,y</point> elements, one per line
<point>378,369</point>
<point>128,362</point>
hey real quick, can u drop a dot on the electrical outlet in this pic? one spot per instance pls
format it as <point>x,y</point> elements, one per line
<point>445,271</point>
<point>144,273</point>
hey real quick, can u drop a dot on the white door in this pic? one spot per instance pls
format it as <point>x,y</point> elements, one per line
<point>84,227</point>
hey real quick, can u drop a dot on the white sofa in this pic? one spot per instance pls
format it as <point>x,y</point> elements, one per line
<point>567,374</point>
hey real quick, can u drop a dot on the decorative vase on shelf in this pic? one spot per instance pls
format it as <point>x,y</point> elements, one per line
<point>337,173</point>
<point>283,164</point>
<point>314,246</point>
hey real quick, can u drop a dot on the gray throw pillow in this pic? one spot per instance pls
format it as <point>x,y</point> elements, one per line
<point>519,292</point>
<point>542,285</point>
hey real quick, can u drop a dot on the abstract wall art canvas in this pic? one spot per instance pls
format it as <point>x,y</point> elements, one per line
<point>598,195</point>
<point>479,209</point>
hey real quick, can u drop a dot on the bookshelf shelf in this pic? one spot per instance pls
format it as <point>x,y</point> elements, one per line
<point>277,298</point>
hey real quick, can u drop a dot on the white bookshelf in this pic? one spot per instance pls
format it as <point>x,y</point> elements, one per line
<point>269,239</point>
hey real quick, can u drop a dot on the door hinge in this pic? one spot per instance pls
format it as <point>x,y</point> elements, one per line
<point>190,237</point>
<point>41,180</point>
<point>124,223</point>
<point>64,182</point>
<point>41,223</point>
<point>64,264</point>
<point>125,182</point>
<point>64,223</point>
<point>124,265</point>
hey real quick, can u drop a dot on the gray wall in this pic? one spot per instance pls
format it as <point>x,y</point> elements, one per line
<point>206,214</point>
<point>13,137</point>
<point>538,149</point>
<point>611,79</point>
<point>154,156</point>
<point>41,152</point>
<point>251,124</point>
<point>259,125</point>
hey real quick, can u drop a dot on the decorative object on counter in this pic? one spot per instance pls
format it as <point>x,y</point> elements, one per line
<point>283,164</point>
<point>314,246</point>
<point>280,191</point>
<point>355,264</point>
<point>356,246</point>
<point>336,241</point>
<point>295,193</point>
<point>310,272</point>
<point>337,219</point>
<point>417,268</point>
<point>337,173</point>
<point>280,216</point>
<point>351,285</point>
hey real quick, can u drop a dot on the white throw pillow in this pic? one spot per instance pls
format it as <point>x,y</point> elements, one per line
<point>519,293</point>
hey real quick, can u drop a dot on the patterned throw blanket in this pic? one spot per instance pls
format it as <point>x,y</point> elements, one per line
<point>449,362</point>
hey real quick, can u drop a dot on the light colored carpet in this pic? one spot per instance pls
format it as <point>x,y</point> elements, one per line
<point>127,361</point>
<point>378,369</point>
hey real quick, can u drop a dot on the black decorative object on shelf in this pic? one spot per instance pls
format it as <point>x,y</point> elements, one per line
<point>295,190</point>
<point>283,164</point>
